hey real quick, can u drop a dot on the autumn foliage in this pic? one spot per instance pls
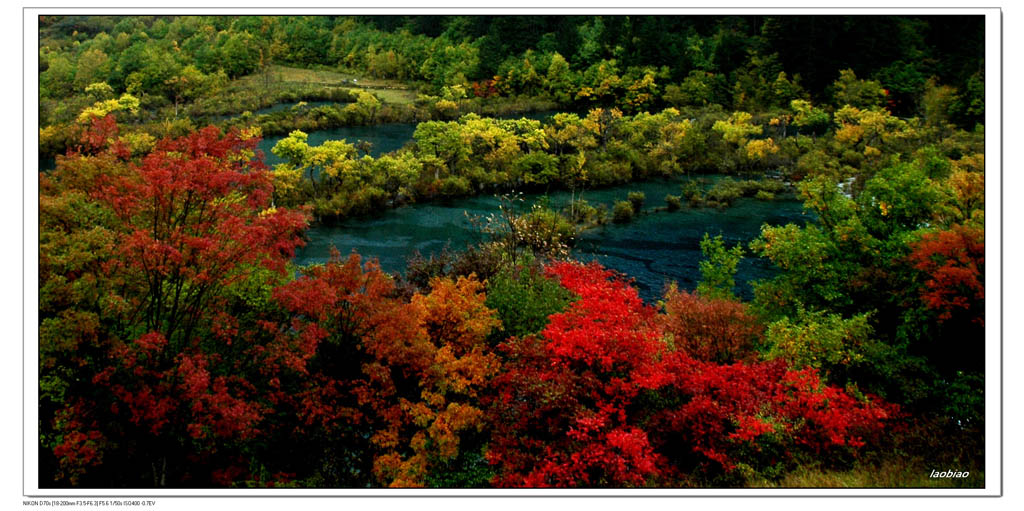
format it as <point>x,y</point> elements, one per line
<point>560,416</point>
<point>710,329</point>
<point>600,399</point>
<point>409,371</point>
<point>181,346</point>
<point>176,341</point>
<point>953,262</point>
<point>169,368</point>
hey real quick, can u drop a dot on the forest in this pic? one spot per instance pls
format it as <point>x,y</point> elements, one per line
<point>205,320</point>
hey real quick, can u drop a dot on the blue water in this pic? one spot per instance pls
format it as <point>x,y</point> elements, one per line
<point>655,249</point>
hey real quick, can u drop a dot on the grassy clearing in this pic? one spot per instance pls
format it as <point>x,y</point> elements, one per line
<point>893,472</point>
<point>404,97</point>
<point>312,76</point>
<point>389,91</point>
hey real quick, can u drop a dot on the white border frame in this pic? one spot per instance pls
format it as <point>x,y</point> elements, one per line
<point>993,278</point>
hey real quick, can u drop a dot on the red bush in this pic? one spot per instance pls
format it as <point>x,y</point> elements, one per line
<point>709,329</point>
<point>599,399</point>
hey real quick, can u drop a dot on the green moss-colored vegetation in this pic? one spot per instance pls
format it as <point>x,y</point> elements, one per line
<point>622,212</point>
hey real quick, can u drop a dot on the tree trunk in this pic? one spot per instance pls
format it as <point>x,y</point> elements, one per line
<point>160,474</point>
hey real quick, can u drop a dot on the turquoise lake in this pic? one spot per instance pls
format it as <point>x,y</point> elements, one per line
<point>654,249</point>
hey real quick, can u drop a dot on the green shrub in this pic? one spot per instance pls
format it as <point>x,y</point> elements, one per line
<point>636,199</point>
<point>583,213</point>
<point>964,400</point>
<point>690,189</point>
<point>808,118</point>
<point>622,212</point>
<point>771,185</point>
<point>718,269</point>
<point>692,192</point>
<point>546,232</point>
<point>367,200</point>
<point>842,349</point>
<point>455,186</point>
<point>602,216</point>
<point>725,191</point>
<point>524,298</point>
<point>673,202</point>
<point>748,187</point>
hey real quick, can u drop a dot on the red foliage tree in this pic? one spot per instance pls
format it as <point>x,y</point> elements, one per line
<point>188,224</point>
<point>953,263</point>
<point>196,217</point>
<point>319,349</point>
<point>734,413</point>
<point>561,416</point>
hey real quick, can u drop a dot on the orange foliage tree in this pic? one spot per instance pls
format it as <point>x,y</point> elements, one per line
<point>401,377</point>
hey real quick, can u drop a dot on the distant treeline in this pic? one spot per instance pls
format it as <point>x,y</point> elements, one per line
<point>635,63</point>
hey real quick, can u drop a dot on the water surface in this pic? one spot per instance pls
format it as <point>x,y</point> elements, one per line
<point>655,249</point>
